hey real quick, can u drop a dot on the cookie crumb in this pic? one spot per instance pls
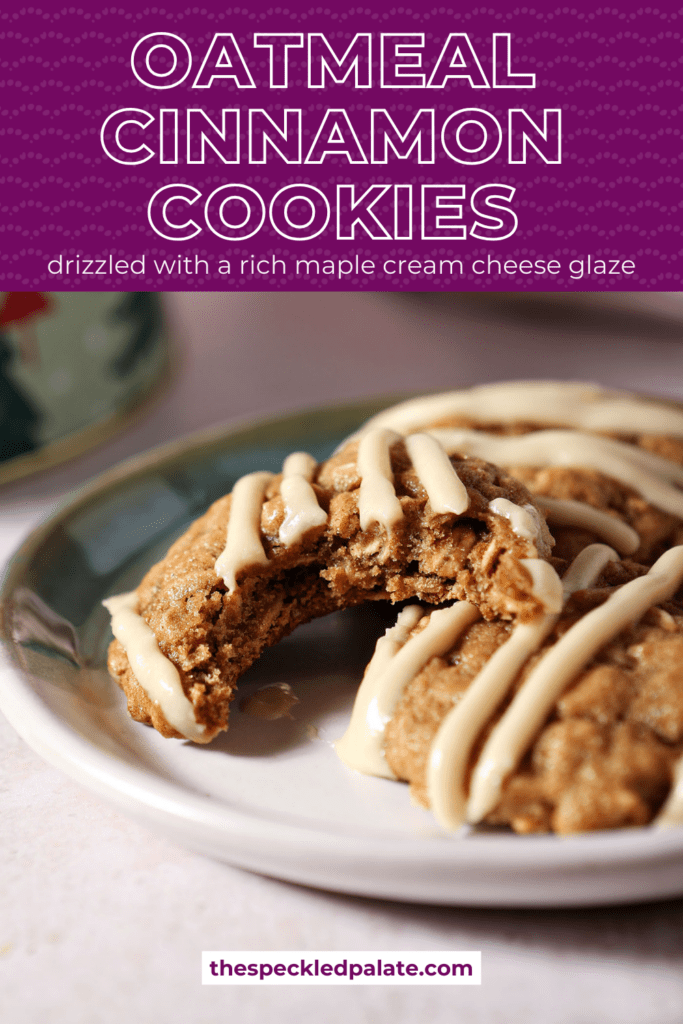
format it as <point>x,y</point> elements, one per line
<point>270,703</point>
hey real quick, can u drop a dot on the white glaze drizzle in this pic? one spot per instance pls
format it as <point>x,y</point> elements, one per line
<point>583,406</point>
<point>396,661</point>
<point>450,750</point>
<point>522,518</point>
<point>537,443</point>
<point>243,545</point>
<point>377,501</point>
<point>445,489</point>
<point>299,464</point>
<point>359,747</point>
<point>566,512</point>
<point>302,511</point>
<point>526,523</point>
<point>647,474</point>
<point>157,676</point>
<point>532,703</point>
<point>546,585</point>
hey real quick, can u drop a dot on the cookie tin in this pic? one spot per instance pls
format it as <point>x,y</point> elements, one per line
<point>73,365</point>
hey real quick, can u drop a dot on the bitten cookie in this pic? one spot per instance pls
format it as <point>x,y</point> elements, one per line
<point>384,519</point>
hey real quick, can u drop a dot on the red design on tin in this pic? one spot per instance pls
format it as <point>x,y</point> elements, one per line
<point>19,307</point>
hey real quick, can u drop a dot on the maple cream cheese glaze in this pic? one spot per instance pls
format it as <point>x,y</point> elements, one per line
<point>382,516</point>
<point>554,403</point>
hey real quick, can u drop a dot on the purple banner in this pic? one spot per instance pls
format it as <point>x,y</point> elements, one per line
<point>300,148</point>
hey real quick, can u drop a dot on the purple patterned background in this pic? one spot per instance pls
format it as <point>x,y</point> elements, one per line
<point>616,196</point>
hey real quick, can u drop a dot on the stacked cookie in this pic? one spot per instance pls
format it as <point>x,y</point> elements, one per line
<point>548,696</point>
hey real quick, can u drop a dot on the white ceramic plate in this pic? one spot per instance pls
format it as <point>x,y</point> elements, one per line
<point>268,796</point>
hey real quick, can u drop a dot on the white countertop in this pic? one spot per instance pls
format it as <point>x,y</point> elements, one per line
<point>103,921</point>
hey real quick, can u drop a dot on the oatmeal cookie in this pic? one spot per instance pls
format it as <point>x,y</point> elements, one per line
<point>569,724</point>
